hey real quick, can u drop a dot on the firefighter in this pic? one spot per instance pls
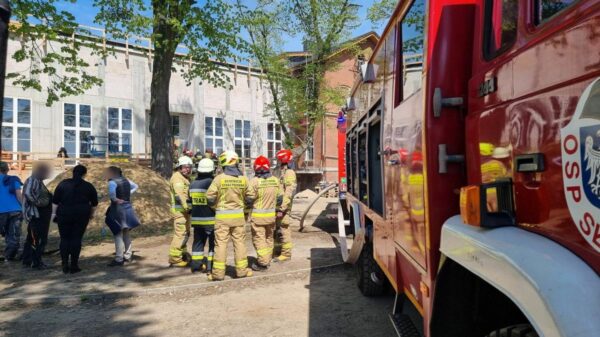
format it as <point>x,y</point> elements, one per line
<point>203,217</point>
<point>181,207</point>
<point>226,194</point>
<point>264,196</point>
<point>288,183</point>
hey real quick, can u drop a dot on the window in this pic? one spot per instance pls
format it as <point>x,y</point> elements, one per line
<point>545,9</point>
<point>501,17</point>
<point>243,135</point>
<point>175,126</point>
<point>16,127</point>
<point>77,121</point>
<point>119,130</point>
<point>310,153</point>
<point>274,137</point>
<point>408,47</point>
<point>213,132</point>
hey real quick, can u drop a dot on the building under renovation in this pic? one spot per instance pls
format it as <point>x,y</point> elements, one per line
<point>113,117</point>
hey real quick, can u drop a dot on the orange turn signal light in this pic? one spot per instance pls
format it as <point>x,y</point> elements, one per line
<point>470,205</point>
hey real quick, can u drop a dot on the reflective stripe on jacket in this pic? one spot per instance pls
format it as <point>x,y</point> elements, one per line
<point>226,194</point>
<point>202,213</point>
<point>180,186</point>
<point>265,195</point>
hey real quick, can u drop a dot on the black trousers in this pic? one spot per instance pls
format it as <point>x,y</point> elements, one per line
<point>203,235</point>
<point>71,229</point>
<point>37,237</point>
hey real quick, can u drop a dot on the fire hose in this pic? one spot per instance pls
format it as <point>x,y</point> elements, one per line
<point>325,190</point>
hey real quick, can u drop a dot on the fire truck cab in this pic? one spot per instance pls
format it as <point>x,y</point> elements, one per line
<point>472,168</point>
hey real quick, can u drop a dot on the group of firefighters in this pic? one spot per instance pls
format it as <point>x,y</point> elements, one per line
<point>218,208</point>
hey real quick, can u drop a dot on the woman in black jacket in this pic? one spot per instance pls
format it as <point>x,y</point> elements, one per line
<point>75,201</point>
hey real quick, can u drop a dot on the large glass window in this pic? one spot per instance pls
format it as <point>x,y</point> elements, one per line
<point>119,130</point>
<point>274,139</point>
<point>408,47</point>
<point>16,125</point>
<point>545,9</point>
<point>213,134</point>
<point>243,136</point>
<point>77,130</point>
<point>501,18</point>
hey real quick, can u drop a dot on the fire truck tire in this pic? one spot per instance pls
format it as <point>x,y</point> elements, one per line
<point>521,330</point>
<point>370,279</point>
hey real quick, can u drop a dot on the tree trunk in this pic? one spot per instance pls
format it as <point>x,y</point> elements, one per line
<point>4,20</point>
<point>161,131</point>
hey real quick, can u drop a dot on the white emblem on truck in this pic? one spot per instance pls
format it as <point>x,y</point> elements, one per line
<point>580,147</point>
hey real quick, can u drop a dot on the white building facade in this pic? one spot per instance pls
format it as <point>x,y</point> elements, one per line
<point>114,117</point>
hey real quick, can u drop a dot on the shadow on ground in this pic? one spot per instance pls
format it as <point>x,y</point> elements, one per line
<point>313,295</point>
<point>67,319</point>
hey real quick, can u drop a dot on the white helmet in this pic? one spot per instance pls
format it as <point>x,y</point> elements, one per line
<point>206,166</point>
<point>184,160</point>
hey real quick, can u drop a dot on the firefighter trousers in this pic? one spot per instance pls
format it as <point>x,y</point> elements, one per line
<point>286,239</point>
<point>238,236</point>
<point>181,225</point>
<point>262,238</point>
<point>203,235</point>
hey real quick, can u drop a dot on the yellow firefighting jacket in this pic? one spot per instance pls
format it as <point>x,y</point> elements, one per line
<point>265,195</point>
<point>226,194</point>
<point>289,183</point>
<point>180,186</point>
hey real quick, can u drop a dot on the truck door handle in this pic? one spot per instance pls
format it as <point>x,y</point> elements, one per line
<point>440,102</point>
<point>444,158</point>
<point>531,162</point>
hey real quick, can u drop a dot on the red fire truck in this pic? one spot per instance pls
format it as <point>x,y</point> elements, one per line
<point>473,171</point>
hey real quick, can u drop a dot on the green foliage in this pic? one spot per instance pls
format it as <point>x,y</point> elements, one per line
<point>300,93</point>
<point>208,30</point>
<point>265,24</point>
<point>379,13</point>
<point>47,44</point>
<point>324,24</point>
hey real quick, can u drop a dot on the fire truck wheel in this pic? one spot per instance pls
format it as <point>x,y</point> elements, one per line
<point>521,330</point>
<point>370,278</point>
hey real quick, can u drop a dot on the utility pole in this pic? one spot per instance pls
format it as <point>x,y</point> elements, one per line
<point>4,20</point>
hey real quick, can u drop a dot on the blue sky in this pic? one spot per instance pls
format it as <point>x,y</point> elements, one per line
<point>84,11</point>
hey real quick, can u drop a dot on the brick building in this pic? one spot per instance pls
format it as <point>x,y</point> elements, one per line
<point>320,162</point>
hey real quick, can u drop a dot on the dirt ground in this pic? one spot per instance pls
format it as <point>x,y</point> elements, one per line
<point>312,295</point>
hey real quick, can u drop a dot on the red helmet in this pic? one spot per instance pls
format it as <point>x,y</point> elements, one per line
<point>262,164</point>
<point>284,156</point>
